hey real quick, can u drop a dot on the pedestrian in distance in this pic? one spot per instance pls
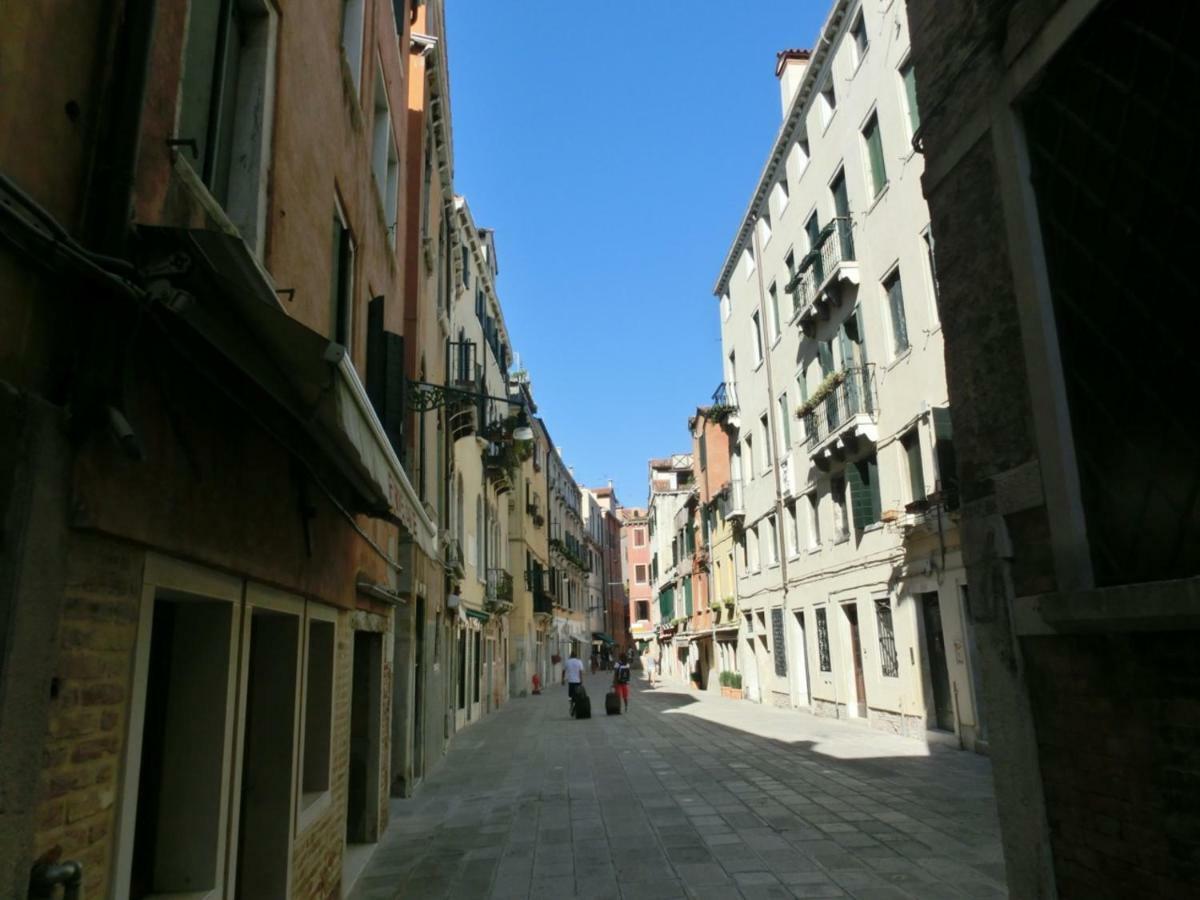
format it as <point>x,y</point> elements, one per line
<point>649,661</point>
<point>621,676</point>
<point>573,673</point>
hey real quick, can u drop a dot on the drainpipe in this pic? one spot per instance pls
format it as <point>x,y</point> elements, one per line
<point>772,429</point>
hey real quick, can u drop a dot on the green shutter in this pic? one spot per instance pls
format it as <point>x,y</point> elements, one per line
<point>912,448</point>
<point>895,293</point>
<point>666,604</point>
<point>863,479</point>
<point>910,94</point>
<point>687,596</point>
<point>947,461</point>
<point>875,153</point>
<point>825,356</point>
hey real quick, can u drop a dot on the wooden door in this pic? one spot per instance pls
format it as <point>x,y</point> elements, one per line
<point>860,686</point>
<point>935,651</point>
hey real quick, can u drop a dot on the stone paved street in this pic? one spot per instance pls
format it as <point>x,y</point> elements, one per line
<point>690,796</point>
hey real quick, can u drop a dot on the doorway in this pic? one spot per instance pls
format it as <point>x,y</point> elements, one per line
<point>268,755</point>
<point>179,826</point>
<point>858,705</point>
<point>418,729</point>
<point>363,783</point>
<point>800,676</point>
<point>935,656</point>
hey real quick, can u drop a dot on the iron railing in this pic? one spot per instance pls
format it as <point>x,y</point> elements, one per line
<point>725,395</point>
<point>543,603</point>
<point>499,586</point>
<point>854,395</point>
<point>834,246</point>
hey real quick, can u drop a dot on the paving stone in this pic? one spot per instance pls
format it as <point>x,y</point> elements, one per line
<point>529,803</point>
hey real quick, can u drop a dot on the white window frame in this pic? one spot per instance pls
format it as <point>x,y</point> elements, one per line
<point>353,40</point>
<point>311,807</point>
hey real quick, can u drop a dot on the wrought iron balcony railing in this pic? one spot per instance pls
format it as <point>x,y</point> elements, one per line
<point>829,256</point>
<point>499,586</point>
<point>847,401</point>
<point>725,396</point>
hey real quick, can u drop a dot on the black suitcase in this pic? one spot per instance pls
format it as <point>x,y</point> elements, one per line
<point>583,705</point>
<point>612,703</point>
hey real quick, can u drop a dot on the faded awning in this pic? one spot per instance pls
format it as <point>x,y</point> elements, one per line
<point>220,310</point>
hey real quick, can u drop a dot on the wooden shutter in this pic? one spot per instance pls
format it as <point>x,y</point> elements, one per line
<point>863,478</point>
<point>385,375</point>
<point>947,461</point>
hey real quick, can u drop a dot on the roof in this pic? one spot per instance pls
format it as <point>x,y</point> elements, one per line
<point>792,123</point>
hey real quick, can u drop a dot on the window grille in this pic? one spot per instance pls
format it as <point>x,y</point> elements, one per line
<point>888,659</point>
<point>823,641</point>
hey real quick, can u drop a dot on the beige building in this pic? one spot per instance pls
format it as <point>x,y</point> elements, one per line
<point>568,566</point>
<point>671,487</point>
<point>850,577</point>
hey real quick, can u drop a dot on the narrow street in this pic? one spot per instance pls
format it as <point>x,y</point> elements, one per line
<point>689,795</point>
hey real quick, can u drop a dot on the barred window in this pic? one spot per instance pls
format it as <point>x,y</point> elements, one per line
<point>823,641</point>
<point>887,639</point>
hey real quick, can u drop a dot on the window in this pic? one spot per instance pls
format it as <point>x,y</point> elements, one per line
<point>789,262</point>
<point>785,427</point>
<point>858,36</point>
<point>823,641</point>
<point>225,100</point>
<point>863,478</point>
<point>911,442</point>
<point>874,141</point>
<point>800,155</point>
<point>639,537</point>
<point>773,292</point>
<point>726,307</point>
<point>888,660</point>
<point>828,101</point>
<point>758,338</point>
<point>342,283</point>
<point>352,38</point>
<point>643,610</point>
<point>814,522</point>
<point>318,710</point>
<point>753,543</point>
<point>743,552</point>
<point>748,456</point>
<point>385,161</point>
<point>748,257</point>
<point>764,437</point>
<point>841,525</point>
<point>895,302</point>
<point>791,528</point>
<point>479,538</point>
<point>772,539</point>
<point>641,574</point>
<point>908,80</point>
<point>779,194</point>
<point>764,227</point>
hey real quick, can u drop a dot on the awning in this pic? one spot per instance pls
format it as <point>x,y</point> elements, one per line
<point>601,636</point>
<point>477,614</point>
<point>220,310</point>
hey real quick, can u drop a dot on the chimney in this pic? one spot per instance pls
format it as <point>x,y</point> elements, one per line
<point>790,66</point>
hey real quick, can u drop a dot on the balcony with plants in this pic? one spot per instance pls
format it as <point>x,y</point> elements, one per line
<point>499,598</point>
<point>817,285</point>
<point>840,415</point>
<point>724,406</point>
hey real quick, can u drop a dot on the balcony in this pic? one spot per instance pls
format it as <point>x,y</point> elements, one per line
<point>499,463</point>
<point>543,603</point>
<point>499,590</point>
<point>829,266</point>
<point>842,413</point>
<point>724,406</point>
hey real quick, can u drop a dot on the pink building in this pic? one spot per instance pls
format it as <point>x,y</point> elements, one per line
<point>635,554</point>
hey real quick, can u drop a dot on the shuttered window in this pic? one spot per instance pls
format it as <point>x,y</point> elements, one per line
<point>911,442</point>
<point>863,478</point>
<point>895,301</point>
<point>687,596</point>
<point>947,461</point>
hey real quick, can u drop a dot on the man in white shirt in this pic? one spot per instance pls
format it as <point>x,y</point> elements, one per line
<point>573,672</point>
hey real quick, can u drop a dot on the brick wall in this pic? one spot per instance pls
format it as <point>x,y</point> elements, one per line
<point>317,851</point>
<point>89,707</point>
<point>1118,722</point>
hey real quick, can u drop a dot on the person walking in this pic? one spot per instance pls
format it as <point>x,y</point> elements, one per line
<point>649,661</point>
<point>573,673</point>
<point>621,677</point>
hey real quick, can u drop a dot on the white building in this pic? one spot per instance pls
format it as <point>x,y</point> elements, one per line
<point>671,483</point>
<point>851,582</point>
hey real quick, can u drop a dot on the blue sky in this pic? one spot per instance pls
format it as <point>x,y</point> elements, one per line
<point>613,148</point>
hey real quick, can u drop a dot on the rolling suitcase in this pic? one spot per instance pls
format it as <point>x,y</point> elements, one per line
<point>612,703</point>
<point>583,706</point>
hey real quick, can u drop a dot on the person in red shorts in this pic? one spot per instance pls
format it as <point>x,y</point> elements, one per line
<point>621,676</point>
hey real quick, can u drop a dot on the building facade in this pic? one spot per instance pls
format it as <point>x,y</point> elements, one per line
<point>569,632</point>
<point>636,559</point>
<point>850,578</point>
<point>671,548</point>
<point>1053,180</point>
